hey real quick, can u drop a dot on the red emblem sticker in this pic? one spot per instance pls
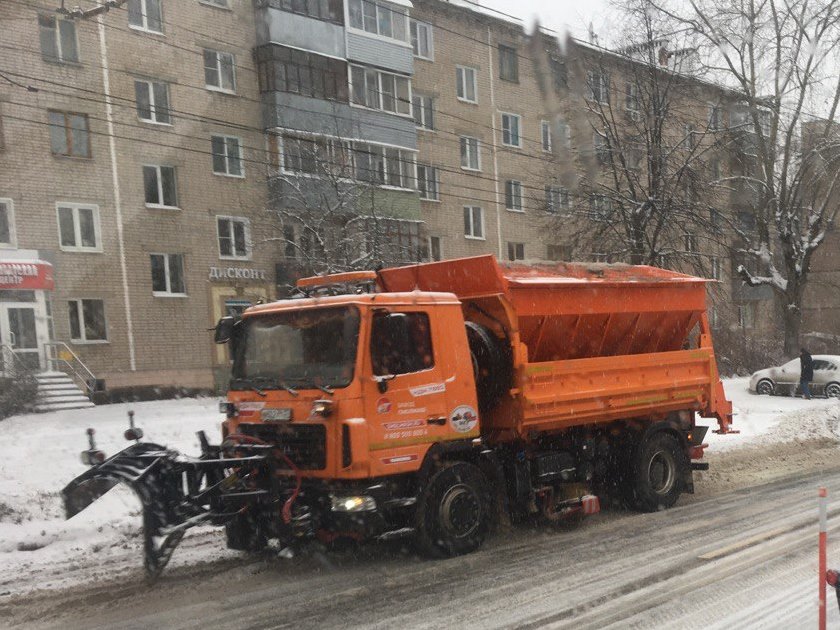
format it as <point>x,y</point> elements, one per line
<point>383,405</point>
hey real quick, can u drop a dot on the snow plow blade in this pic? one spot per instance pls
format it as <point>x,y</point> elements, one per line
<point>176,492</point>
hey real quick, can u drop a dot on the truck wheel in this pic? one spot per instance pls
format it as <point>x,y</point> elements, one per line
<point>243,534</point>
<point>657,473</point>
<point>491,365</point>
<point>453,513</point>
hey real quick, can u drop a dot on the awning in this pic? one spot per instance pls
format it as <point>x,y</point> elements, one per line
<point>26,275</point>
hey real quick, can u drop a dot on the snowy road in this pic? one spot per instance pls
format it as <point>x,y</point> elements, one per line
<point>740,559</point>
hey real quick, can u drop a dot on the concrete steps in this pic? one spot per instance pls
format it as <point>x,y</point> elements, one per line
<point>57,391</point>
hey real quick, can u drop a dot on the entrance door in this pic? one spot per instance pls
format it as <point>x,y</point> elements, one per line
<point>18,332</point>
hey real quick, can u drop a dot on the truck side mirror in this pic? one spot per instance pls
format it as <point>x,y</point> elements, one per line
<point>224,329</point>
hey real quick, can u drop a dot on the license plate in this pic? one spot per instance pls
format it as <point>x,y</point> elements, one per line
<point>276,415</point>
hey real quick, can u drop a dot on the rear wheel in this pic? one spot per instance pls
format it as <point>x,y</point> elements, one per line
<point>244,534</point>
<point>657,473</point>
<point>453,513</point>
<point>765,387</point>
<point>832,390</point>
<point>491,365</point>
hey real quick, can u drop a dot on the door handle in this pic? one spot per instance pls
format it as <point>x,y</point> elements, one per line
<point>12,339</point>
<point>436,420</point>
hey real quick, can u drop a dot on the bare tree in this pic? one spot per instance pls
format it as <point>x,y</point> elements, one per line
<point>328,210</point>
<point>779,58</point>
<point>653,149</point>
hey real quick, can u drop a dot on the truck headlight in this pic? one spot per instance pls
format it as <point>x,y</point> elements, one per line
<point>353,504</point>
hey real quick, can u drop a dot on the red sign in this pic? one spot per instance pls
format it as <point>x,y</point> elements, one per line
<point>26,275</point>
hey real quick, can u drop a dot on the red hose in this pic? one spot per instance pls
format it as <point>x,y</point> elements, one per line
<point>286,512</point>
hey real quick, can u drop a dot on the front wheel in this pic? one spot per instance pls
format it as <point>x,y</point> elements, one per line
<point>453,513</point>
<point>658,472</point>
<point>765,388</point>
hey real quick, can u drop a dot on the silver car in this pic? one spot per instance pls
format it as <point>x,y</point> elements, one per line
<point>785,378</point>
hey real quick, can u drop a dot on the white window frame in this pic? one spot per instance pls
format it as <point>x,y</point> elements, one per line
<point>144,15</point>
<point>57,35</point>
<point>565,133</point>
<point>461,84</point>
<point>471,236</point>
<point>563,197</point>
<point>425,124</point>
<point>417,25</point>
<point>77,230</point>
<point>10,217</point>
<point>631,97</point>
<point>227,172</point>
<point>545,136</point>
<point>716,268</point>
<point>436,178</point>
<point>516,197</point>
<point>218,69</point>
<point>440,247</point>
<point>513,246</point>
<point>747,315</point>
<point>507,118</point>
<point>380,93</point>
<point>690,243</point>
<point>246,224</point>
<point>219,4</point>
<point>405,157</point>
<point>153,108</point>
<point>157,168</point>
<point>716,112</point>
<point>464,141</point>
<point>376,34</point>
<point>80,313</point>
<point>603,96</point>
<point>168,275</point>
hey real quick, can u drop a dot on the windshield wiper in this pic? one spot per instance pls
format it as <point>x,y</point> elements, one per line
<point>283,385</point>
<point>325,389</point>
<point>248,384</point>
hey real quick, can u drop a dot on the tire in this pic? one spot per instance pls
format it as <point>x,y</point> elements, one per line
<point>243,534</point>
<point>491,365</point>
<point>657,473</point>
<point>453,513</point>
<point>832,390</point>
<point>765,387</point>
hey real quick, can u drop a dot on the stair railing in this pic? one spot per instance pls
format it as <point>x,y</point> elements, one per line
<point>10,362</point>
<point>61,358</point>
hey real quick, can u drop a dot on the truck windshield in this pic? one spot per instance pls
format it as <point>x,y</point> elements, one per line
<point>306,348</point>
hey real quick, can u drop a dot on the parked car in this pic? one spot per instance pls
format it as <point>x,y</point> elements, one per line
<point>784,380</point>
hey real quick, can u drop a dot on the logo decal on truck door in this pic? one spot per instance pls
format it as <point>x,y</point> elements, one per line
<point>383,405</point>
<point>463,419</point>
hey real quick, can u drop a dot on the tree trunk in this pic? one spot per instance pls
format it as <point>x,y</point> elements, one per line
<point>792,317</point>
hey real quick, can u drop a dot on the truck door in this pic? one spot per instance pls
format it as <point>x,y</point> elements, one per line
<point>405,396</point>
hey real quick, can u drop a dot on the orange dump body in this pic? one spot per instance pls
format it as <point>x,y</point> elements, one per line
<point>590,343</point>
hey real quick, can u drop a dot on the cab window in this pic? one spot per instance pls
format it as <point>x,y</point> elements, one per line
<point>401,343</point>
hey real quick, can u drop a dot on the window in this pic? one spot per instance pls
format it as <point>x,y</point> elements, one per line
<point>227,156</point>
<point>602,148</point>
<point>511,130</point>
<point>368,16</point>
<point>326,10</point>
<point>690,137</point>
<point>715,117</point>
<point>380,90</point>
<point>386,166</point>
<point>87,321</point>
<point>219,73</point>
<point>598,84</point>
<point>600,257</point>
<point>473,222</point>
<point>69,134</point>
<point>168,274</point>
<point>291,70</point>
<point>216,3</point>
<point>424,111</point>
<point>465,84</point>
<point>690,243</point>
<point>159,186</point>
<point>631,97</point>
<point>152,101</point>
<point>2,136</point>
<point>508,64</point>
<point>145,15</point>
<point>601,207</point>
<point>564,132</point>
<point>714,218</point>
<point>716,268</point>
<point>435,252</point>
<point>428,182</point>
<point>746,315</point>
<point>7,223</point>
<point>714,169</point>
<point>557,199</point>
<point>234,237</point>
<point>470,158</point>
<point>559,252</point>
<point>633,156</point>
<point>78,227</point>
<point>513,195</point>
<point>404,349</point>
<point>421,40</point>
<point>290,248</point>
<point>58,39</point>
<point>516,251</point>
<point>545,134</point>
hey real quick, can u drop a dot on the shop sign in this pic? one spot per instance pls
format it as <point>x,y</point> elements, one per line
<point>236,273</point>
<point>26,275</point>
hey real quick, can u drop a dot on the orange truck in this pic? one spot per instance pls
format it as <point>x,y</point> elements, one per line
<point>434,399</point>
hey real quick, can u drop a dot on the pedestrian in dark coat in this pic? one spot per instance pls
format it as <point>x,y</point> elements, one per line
<point>806,372</point>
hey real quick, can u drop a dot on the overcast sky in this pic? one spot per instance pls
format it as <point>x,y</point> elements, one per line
<point>572,15</point>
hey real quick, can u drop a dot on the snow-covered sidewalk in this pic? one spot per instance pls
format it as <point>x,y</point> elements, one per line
<point>40,455</point>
